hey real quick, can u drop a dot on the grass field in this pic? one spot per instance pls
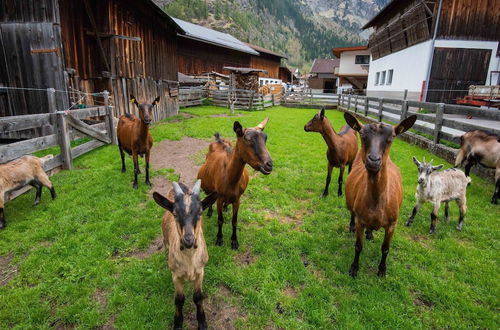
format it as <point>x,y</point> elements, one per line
<point>82,260</point>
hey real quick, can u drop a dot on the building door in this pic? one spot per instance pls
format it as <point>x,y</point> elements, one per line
<point>329,86</point>
<point>454,70</point>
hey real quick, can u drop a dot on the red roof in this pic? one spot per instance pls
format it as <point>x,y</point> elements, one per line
<point>324,65</point>
<point>337,51</point>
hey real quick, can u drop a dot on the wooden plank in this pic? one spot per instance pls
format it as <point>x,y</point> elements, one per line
<point>466,127</point>
<point>87,129</point>
<point>18,123</point>
<point>15,150</point>
<point>64,141</point>
<point>452,109</point>
<point>86,147</point>
<point>89,112</point>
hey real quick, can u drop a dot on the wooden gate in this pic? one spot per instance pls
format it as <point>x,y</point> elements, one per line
<point>454,70</point>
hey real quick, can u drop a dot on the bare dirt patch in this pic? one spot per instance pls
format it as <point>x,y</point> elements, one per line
<point>7,269</point>
<point>220,312</point>
<point>179,156</point>
<point>245,259</point>
<point>422,239</point>
<point>421,301</point>
<point>153,248</point>
<point>184,115</point>
<point>290,292</point>
<point>225,115</point>
<point>101,297</point>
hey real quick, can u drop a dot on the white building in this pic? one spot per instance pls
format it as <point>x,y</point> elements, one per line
<point>435,49</point>
<point>353,68</point>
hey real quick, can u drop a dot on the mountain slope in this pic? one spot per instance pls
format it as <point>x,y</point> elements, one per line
<point>301,29</point>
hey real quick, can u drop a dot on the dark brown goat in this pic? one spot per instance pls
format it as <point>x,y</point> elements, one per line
<point>478,147</point>
<point>224,170</point>
<point>374,190</point>
<point>342,147</point>
<point>134,137</point>
<point>183,237</point>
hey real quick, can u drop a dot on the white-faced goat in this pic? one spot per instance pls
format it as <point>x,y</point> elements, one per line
<point>20,172</point>
<point>438,187</point>
<point>187,253</point>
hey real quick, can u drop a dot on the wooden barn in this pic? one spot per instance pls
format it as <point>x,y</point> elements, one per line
<point>203,50</point>
<point>434,49</point>
<point>86,46</point>
<point>266,60</point>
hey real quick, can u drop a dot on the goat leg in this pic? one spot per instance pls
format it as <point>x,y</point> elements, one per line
<point>122,156</point>
<point>382,267</point>
<point>147,169</point>
<point>38,194</point>
<point>43,180</point>
<point>358,247</point>
<point>198,297</point>
<point>136,169</point>
<point>462,206</point>
<point>210,211</point>
<point>220,223</point>
<point>179,301</point>
<point>447,212</point>
<point>434,216</point>
<point>341,179</point>
<point>413,214</point>
<point>496,193</point>
<point>352,224</point>
<point>2,218</point>
<point>234,238</point>
<point>328,179</point>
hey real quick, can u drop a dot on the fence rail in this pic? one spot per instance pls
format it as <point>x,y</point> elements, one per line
<point>66,126</point>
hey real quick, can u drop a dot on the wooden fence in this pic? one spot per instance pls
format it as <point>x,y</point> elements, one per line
<point>67,126</point>
<point>242,99</point>
<point>309,99</point>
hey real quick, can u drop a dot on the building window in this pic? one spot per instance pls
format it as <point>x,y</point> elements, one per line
<point>377,76</point>
<point>382,80</point>
<point>362,59</point>
<point>389,76</point>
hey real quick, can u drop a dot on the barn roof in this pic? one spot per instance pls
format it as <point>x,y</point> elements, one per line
<point>244,70</point>
<point>324,65</point>
<point>264,50</point>
<point>169,20</point>
<point>203,34</point>
<point>387,8</point>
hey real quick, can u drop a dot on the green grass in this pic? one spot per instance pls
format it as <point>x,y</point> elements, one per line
<point>75,267</point>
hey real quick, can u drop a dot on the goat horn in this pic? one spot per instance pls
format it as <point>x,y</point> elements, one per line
<point>423,160</point>
<point>430,163</point>
<point>196,187</point>
<point>177,189</point>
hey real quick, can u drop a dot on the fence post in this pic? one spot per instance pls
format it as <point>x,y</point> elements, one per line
<point>404,109</point>
<point>272,98</point>
<point>110,125</point>
<point>438,125</point>
<point>311,96</point>
<point>251,100</point>
<point>380,108</point>
<point>64,141</point>
<point>355,103</point>
<point>51,99</point>
<point>367,105</point>
<point>405,94</point>
<point>349,102</point>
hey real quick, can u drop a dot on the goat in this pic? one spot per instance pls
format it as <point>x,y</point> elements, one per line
<point>187,254</point>
<point>224,172</point>
<point>374,190</point>
<point>478,147</point>
<point>342,147</point>
<point>20,172</point>
<point>134,136</point>
<point>437,187</point>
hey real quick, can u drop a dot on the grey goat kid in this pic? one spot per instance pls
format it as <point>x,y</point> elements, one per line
<point>437,187</point>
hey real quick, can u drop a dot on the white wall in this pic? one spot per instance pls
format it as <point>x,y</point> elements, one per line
<point>410,66</point>
<point>347,63</point>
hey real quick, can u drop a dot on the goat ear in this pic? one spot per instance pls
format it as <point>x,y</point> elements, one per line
<point>238,129</point>
<point>209,200</point>
<point>416,162</point>
<point>163,202</point>
<point>352,121</point>
<point>435,168</point>
<point>262,125</point>
<point>322,114</point>
<point>156,101</point>
<point>405,125</point>
<point>133,100</point>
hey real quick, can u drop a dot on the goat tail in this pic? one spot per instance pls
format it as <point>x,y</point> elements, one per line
<point>460,157</point>
<point>218,138</point>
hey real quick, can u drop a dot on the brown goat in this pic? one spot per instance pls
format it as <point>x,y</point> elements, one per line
<point>134,137</point>
<point>342,147</point>
<point>374,190</point>
<point>478,147</point>
<point>224,171</point>
<point>187,253</point>
<point>19,173</point>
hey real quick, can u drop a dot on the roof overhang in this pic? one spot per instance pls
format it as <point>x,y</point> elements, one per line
<point>339,50</point>
<point>387,8</point>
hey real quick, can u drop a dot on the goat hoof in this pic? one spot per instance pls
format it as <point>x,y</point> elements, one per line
<point>135,185</point>
<point>235,245</point>
<point>340,194</point>
<point>219,242</point>
<point>324,195</point>
<point>202,326</point>
<point>432,231</point>
<point>494,201</point>
<point>36,203</point>
<point>353,272</point>
<point>123,170</point>
<point>459,227</point>
<point>148,183</point>
<point>381,273</point>
<point>447,220</point>
<point>2,225</point>
<point>408,223</point>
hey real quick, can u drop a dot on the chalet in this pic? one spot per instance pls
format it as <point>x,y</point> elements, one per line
<point>269,61</point>
<point>353,68</point>
<point>287,76</point>
<point>322,78</point>
<point>434,49</point>
<point>202,50</point>
<point>123,46</point>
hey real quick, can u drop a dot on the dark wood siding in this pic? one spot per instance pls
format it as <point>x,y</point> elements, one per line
<point>266,62</point>
<point>470,20</point>
<point>454,70</point>
<point>197,57</point>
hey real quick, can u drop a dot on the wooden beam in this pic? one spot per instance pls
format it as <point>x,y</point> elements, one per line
<point>87,129</point>
<point>88,9</point>
<point>113,36</point>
